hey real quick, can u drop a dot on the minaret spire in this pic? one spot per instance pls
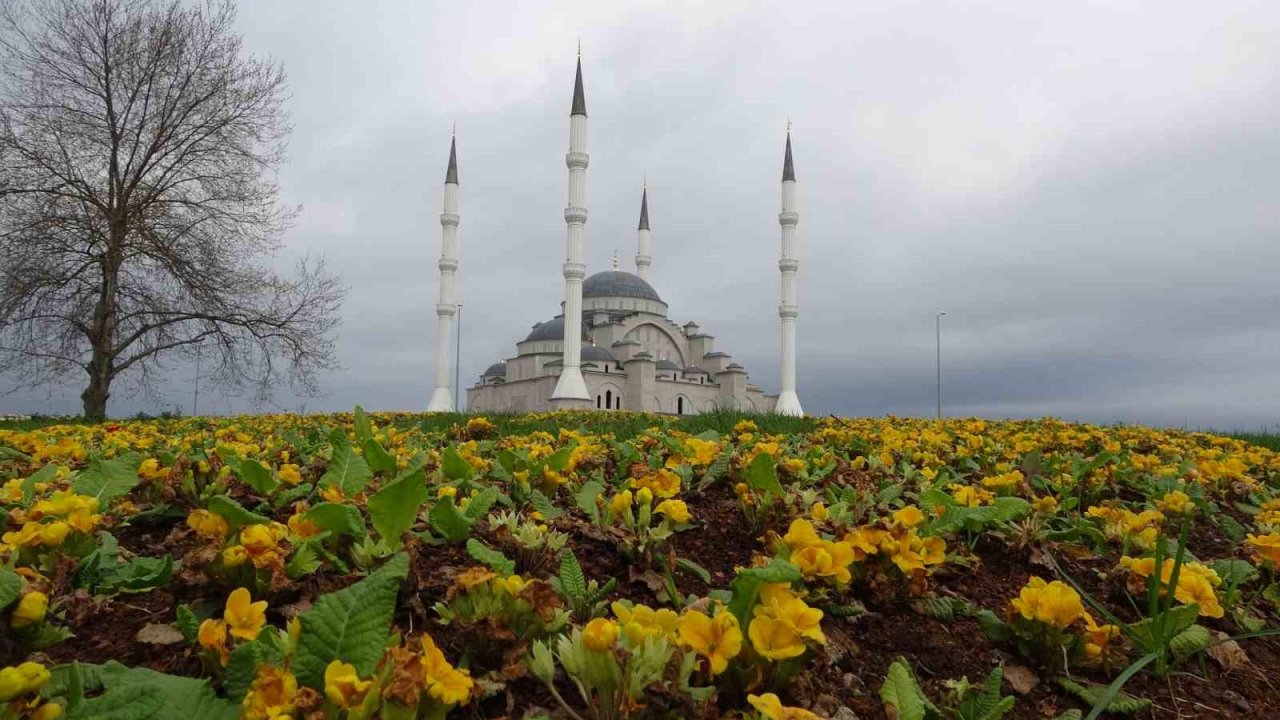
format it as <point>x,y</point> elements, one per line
<point>643,237</point>
<point>789,265</point>
<point>571,388</point>
<point>446,306</point>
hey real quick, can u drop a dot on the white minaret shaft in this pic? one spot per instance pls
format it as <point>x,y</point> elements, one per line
<point>446,307</point>
<point>789,265</point>
<point>644,240</point>
<point>571,386</point>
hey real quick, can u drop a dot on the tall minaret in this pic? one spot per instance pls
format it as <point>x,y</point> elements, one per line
<point>442,398</point>
<point>571,389</point>
<point>643,238</point>
<point>789,264</point>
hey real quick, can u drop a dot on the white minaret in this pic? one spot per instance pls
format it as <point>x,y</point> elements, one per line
<point>571,389</point>
<point>643,238</point>
<point>789,264</point>
<point>442,398</point>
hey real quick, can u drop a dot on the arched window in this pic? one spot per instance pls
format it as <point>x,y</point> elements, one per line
<point>679,406</point>
<point>617,402</point>
<point>608,399</point>
<point>597,402</point>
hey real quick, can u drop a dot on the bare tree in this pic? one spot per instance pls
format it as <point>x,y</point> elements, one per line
<point>139,212</point>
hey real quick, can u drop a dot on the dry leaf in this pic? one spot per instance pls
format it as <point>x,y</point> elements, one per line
<point>159,634</point>
<point>1227,653</point>
<point>1022,679</point>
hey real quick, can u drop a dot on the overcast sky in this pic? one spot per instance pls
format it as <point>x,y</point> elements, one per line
<point>1088,190</point>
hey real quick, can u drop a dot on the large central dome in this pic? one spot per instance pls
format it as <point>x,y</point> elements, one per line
<point>615,283</point>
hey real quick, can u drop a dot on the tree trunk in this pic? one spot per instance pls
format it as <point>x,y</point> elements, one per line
<point>95,396</point>
<point>102,333</point>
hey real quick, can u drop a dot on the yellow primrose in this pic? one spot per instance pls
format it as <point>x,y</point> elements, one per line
<point>289,474</point>
<point>343,686</point>
<point>640,621</point>
<point>908,517</point>
<point>1266,546</point>
<point>718,638</point>
<point>272,694</point>
<point>620,503</point>
<point>234,556</point>
<point>675,510</point>
<point>1052,603</point>
<point>31,610</point>
<point>244,617</point>
<point>600,634</point>
<point>771,707</point>
<point>1176,503</point>
<point>801,534</point>
<point>774,639</point>
<point>208,524</point>
<point>21,679</point>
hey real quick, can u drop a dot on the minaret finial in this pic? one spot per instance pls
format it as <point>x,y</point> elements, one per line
<point>616,264</point>
<point>644,207</point>
<point>579,97</point>
<point>451,175</point>
<point>788,172</point>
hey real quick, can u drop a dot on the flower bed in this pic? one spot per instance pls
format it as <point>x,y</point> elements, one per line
<point>617,565</point>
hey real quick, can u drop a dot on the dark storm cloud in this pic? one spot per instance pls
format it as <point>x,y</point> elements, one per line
<point>1088,192</point>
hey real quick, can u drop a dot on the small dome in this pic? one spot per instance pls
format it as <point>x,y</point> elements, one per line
<point>667,365</point>
<point>498,369</point>
<point>615,283</point>
<point>552,329</point>
<point>595,353</point>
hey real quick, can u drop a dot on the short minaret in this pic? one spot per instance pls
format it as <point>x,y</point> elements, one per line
<point>643,238</point>
<point>788,403</point>
<point>442,398</point>
<point>571,389</point>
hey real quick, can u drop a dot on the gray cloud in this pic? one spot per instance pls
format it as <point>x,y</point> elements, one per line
<point>1087,190</point>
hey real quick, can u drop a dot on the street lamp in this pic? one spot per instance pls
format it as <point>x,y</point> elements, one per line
<point>937,323</point>
<point>457,359</point>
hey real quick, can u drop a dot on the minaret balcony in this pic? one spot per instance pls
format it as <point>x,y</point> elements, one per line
<point>577,159</point>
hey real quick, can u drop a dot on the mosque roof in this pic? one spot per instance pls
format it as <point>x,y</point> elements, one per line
<point>667,365</point>
<point>590,353</point>
<point>496,369</point>
<point>616,283</point>
<point>552,329</point>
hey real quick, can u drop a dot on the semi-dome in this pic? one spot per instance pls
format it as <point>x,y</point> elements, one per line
<point>616,283</point>
<point>497,369</point>
<point>667,365</point>
<point>552,329</point>
<point>597,354</point>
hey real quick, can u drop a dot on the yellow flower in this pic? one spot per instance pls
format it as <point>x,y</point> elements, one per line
<point>343,686</point>
<point>208,524</point>
<point>47,711</point>
<point>212,634</point>
<point>969,496</point>
<point>644,496</point>
<point>790,610</point>
<point>260,542</point>
<point>718,639</point>
<point>1052,603</point>
<point>865,541</point>
<point>234,556</point>
<point>771,707</point>
<point>703,452</point>
<point>31,610</point>
<point>1176,503</point>
<point>600,634</point>
<point>1265,546</point>
<point>818,511</point>
<point>452,687</point>
<point>21,679</point>
<point>333,494</point>
<point>675,510</point>
<point>1045,505</point>
<point>620,502</point>
<point>289,474</point>
<point>53,534</point>
<point>826,559</point>
<point>640,621</point>
<point>1195,582</point>
<point>272,694</point>
<point>774,639</point>
<point>244,617</point>
<point>294,628</point>
<point>662,483</point>
<point>908,517</point>
<point>801,534</point>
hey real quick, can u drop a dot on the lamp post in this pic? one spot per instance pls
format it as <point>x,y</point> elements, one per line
<point>937,327</point>
<point>457,358</point>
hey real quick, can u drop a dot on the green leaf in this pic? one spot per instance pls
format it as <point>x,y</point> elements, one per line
<point>543,505</point>
<point>304,561</point>
<point>1234,573</point>
<point>455,467</point>
<point>187,622</point>
<point>901,692</point>
<point>1190,641</point>
<point>394,508</point>
<point>347,471</point>
<point>257,476</point>
<point>745,587</point>
<point>108,479</point>
<point>777,571</point>
<point>234,513</point>
<point>573,583</point>
<point>586,496</point>
<point>380,461</point>
<point>1105,699</point>
<point>130,702</point>
<point>242,666</point>
<point>996,630</point>
<point>337,518</point>
<point>762,474</point>
<point>45,474</point>
<point>446,520</point>
<point>10,587</point>
<point>364,428</point>
<point>498,562</point>
<point>690,566</point>
<point>479,505</point>
<point>350,625</point>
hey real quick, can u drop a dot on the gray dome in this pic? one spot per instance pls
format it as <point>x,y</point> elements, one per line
<point>597,354</point>
<point>552,329</point>
<point>667,365</point>
<point>615,283</point>
<point>498,369</point>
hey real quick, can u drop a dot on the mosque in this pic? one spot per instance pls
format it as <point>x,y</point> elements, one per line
<point>613,346</point>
